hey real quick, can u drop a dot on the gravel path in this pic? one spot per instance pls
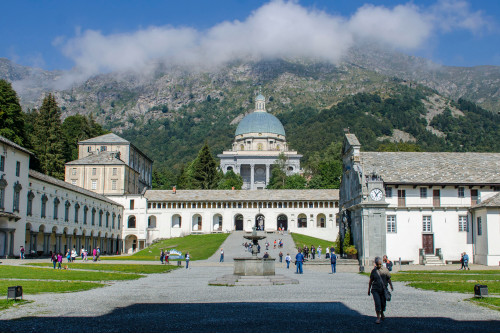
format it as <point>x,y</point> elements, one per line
<point>182,301</point>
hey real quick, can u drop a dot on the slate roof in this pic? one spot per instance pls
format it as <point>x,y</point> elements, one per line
<point>352,139</point>
<point>69,186</point>
<point>11,143</point>
<point>492,202</point>
<point>243,195</point>
<point>103,158</point>
<point>433,167</point>
<point>109,138</point>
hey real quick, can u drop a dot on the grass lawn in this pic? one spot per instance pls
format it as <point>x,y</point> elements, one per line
<point>301,240</point>
<point>464,287</point>
<point>4,303</point>
<point>69,275</point>
<point>490,302</point>
<point>35,287</point>
<point>438,277</point>
<point>200,247</point>
<point>126,268</point>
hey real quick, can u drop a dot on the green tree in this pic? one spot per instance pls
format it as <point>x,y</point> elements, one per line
<point>398,147</point>
<point>278,173</point>
<point>11,115</point>
<point>205,175</point>
<point>48,139</point>
<point>77,128</point>
<point>163,178</point>
<point>230,180</point>
<point>326,168</point>
<point>295,181</point>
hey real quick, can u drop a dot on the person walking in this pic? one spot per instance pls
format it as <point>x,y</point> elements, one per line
<point>85,255</point>
<point>327,253</point>
<point>68,255</point>
<point>313,252</point>
<point>162,255</point>
<point>281,257</point>
<point>299,259</point>
<point>82,253</point>
<point>187,260</point>
<point>221,255</point>
<point>466,261</point>
<point>54,259</point>
<point>319,252</point>
<point>73,255</point>
<point>462,261</point>
<point>94,255</point>
<point>379,278</point>
<point>287,260</point>
<point>59,260</point>
<point>98,255</point>
<point>333,261</point>
<point>21,253</point>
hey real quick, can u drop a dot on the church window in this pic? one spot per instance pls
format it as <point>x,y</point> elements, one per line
<point>391,224</point>
<point>426,224</point>
<point>462,224</point>
<point>461,192</point>
<point>388,192</point>
<point>479,225</point>
<point>423,192</point>
<point>100,218</point>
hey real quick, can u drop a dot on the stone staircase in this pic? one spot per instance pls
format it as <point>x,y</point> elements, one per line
<point>235,280</point>
<point>433,260</point>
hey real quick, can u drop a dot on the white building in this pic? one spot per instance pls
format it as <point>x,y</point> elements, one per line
<point>162,214</point>
<point>46,215</point>
<point>258,142</point>
<point>417,205</point>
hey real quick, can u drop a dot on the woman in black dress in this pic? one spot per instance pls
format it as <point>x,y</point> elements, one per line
<point>379,278</point>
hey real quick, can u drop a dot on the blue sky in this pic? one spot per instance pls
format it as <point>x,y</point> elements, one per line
<point>100,36</point>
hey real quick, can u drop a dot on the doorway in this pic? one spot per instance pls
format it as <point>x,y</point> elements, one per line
<point>283,222</point>
<point>428,243</point>
<point>260,222</point>
<point>238,222</point>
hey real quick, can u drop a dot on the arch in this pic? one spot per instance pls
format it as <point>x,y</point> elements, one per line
<point>282,222</point>
<point>176,221</point>
<point>152,222</point>
<point>131,243</point>
<point>197,222</point>
<point>229,168</point>
<point>238,222</point>
<point>217,222</point>
<point>41,228</point>
<point>260,222</point>
<point>302,221</point>
<point>321,220</point>
<point>131,222</point>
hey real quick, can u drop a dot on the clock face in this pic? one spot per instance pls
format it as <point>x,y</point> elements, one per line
<point>376,194</point>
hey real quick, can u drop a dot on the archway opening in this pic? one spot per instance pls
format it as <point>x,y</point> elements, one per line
<point>131,222</point>
<point>152,222</point>
<point>238,222</point>
<point>282,222</point>
<point>302,221</point>
<point>197,223</point>
<point>217,222</point>
<point>131,244</point>
<point>176,221</point>
<point>260,221</point>
<point>321,221</point>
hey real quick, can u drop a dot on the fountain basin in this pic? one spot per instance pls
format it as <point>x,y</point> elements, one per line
<point>253,266</point>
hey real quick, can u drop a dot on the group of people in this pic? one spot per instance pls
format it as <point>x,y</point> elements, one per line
<point>164,256</point>
<point>310,253</point>
<point>464,261</point>
<point>71,254</point>
<point>279,243</point>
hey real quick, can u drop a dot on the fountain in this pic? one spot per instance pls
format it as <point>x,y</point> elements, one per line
<point>254,265</point>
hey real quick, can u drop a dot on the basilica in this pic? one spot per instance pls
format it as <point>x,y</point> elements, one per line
<point>416,207</point>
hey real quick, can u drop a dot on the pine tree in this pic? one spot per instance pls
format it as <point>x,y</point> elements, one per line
<point>230,180</point>
<point>205,175</point>
<point>77,128</point>
<point>48,139</point>
<point>11,115</point>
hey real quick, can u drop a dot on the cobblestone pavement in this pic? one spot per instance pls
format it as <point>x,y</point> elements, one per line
<point>182,301</point>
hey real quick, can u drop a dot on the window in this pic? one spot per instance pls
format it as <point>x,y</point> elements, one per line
<point>401,198</point>
<point>479,226</point>
<point>94,171</point>
<point>131,222</point>
<point>44,205</point>
<point>260,147</point>
<point>103,148</point>
<point>436,197</point>
<point>73,182</point>
<point>473,196</point>
<point>131,204</point>
<point>461,192</point>
<point>115,171</point>
<point>423,192</point>
<point>17,195</point>
<point>85,211</point>
<point>302,221</point>
<point>426,224</point>
<point>18,168</point>
<point>2,163</point>
<point>113,184</point>
<point>391,224</point>
<point>462,224</point>
<point>73,171</point>
<point>388,192</point>
<point>77,208</point>
<point>66,211</point>
<point>100,218</point>
<point>94,184</point>
<point>119,220</point>
<point>56,207</point>
<point>113,217</point>
<point>89,149</point>
<point>29,209</point>
<point>107,219</point>
<point>92,219</point>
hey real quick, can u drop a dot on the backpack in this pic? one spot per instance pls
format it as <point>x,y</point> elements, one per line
<point>389,265</point>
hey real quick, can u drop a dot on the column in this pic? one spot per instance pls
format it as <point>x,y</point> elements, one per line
<point>237,169</point>
<point>268,169</point>
<point>31,243</point>
<point>46,243</point>
<point>34,235</point>
<point>68,241</point>
<point>58,243</point>
<point>11,249</point>
<point>252,176</point>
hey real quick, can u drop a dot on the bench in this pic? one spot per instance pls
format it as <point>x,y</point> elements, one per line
<point>452,262</point>
<point>404,262</point>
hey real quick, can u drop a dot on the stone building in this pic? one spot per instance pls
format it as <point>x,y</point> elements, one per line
<point>110,165</point>
<point>164,214</point>
<point>420,206</point>
<point>258,143</point>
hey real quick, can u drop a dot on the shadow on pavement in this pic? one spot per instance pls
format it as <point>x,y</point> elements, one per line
<point>241,317</point>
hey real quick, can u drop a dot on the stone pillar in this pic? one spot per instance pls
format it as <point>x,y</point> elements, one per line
<point>68,241</point>
<point>268,169</point>
<point>237,169</point>
<point>46,243</point>
<point>58,243</point>
<point>12,242</point>
<point>252,176</point>
<point>34,236</point>
<point>31,243</point>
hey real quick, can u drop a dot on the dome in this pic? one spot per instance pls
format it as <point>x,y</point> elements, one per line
<point>260,122</point>
<point>260,97</point>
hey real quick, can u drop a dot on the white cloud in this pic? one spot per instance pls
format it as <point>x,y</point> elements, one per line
<point>277,29</point>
